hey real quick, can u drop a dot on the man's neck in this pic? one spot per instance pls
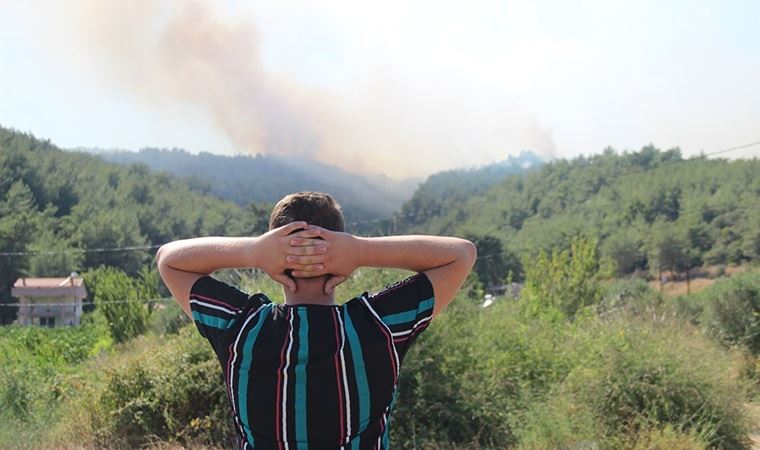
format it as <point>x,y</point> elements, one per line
<point>309,292</point>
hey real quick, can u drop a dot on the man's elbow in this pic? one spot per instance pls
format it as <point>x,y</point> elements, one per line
<point>159,255</point>
<point>162,257</point>
<point>469,252</point>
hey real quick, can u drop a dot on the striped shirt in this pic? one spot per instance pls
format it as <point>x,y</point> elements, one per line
<point>312,376</point>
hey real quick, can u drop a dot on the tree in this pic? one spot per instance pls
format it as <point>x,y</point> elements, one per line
<point>108,229</point>
<point>121,299</point>
<point>669,249</point>
<point>625,251</point>
<point>563,283</point>
<point>54,256</point>
<point>18,222</point>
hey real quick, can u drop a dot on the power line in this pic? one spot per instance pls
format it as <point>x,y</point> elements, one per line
<point>107,302</point>
<point>383,219</point>
<point>82,250</point>
<point>752,144</point>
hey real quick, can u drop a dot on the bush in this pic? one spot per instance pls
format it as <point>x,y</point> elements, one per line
<point>168,318</point>
<point>121,299</point>
<point>486,378</point>
<point>633,296</point>
<point>34,366</point>
<point>172,393</point>
<point>631,378</point>
<point>473,373</point>
<point>667,439</point>
<point>732,312</point>
<point>565,282</point>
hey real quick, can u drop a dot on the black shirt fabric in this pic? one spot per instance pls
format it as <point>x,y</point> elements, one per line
<point>312,376</point>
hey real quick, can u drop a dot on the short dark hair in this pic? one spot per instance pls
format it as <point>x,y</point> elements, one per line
<point>315,208</point>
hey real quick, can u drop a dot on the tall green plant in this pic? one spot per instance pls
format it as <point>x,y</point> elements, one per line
<point>732,314</point>
<point>564,282</point>
<point>120,299</point>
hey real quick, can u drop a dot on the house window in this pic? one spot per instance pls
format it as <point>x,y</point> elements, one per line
<point>47,322</point>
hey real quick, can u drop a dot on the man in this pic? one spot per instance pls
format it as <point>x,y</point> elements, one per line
<point>311,374</point>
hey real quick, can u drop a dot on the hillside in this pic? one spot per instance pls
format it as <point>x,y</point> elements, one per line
<point>54,200</point>
<point>650,210</point>
<point>266,178</point>
<point>441,190</point>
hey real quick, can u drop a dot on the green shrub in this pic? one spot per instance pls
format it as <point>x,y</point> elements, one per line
<point>120,299</point>
<point>631,377</point>
<point>490,378</point>
<point>667,439</point>
<point>565,282</point>
<point>634,296</point>
<point>172,393</point>
<point>471,375</point>
<point>732,312</point>
<point>432,407</point>
<point>168,318</point>
<point>35,364</point>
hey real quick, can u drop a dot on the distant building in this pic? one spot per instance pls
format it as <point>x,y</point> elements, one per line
<point>50,302</point>
<point>511,290</point>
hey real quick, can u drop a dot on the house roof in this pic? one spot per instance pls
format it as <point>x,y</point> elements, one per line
<point>49,282</point>
<point>38,287</point>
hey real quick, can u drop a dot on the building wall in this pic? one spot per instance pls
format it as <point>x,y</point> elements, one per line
<point>62,315</point>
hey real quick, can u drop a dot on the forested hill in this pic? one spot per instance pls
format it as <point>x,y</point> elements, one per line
<point>435,196</point>
<point>52,200</point>
<point>265,178</point>
<point>650,210</point>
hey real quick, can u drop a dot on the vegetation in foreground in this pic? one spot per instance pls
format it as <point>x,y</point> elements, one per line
<point>629,370</point>
<point>577,361</point>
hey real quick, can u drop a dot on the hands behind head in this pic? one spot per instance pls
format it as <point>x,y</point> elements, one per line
<point>310,252</point>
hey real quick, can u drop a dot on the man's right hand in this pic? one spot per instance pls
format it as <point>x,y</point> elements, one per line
<point>281,249</point>
<point>342,256</point>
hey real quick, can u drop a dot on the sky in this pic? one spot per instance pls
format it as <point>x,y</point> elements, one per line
<point>399,87</point>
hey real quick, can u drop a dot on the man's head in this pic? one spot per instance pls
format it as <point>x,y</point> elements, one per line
<point>314,208</point>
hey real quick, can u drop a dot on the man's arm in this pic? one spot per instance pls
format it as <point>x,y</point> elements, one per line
<point>181,263</point>
<point>445,260</point>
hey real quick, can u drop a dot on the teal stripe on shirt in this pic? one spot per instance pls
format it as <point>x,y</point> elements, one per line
<point>361,375</point>
<point>300,380</point>
<point>242,391</point>
<point>387,432</point>
<point>408,316</point>
<point>212,321</point>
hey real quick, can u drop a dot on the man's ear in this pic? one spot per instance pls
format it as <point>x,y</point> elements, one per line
<point>330,282</point>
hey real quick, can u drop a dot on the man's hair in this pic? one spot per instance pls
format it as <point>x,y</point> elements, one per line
<point>315,208</point>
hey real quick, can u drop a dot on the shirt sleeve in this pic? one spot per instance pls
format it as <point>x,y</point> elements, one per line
<point>217,307</point>
<point>406,308</point>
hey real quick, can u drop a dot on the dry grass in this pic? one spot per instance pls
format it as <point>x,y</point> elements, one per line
<point>679,288</point>
<point>754,409</point>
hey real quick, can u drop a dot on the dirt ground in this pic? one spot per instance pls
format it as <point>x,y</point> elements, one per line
<point>678,288</point>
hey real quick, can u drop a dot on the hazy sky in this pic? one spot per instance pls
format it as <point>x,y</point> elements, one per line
<point>401,87</point>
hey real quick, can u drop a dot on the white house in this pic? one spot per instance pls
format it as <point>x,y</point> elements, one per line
<point>50,302</point>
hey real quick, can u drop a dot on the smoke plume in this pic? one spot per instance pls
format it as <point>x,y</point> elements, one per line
<point>187,53</point>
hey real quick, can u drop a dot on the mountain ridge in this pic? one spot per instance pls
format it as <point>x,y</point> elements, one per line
<point>267,178</point>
